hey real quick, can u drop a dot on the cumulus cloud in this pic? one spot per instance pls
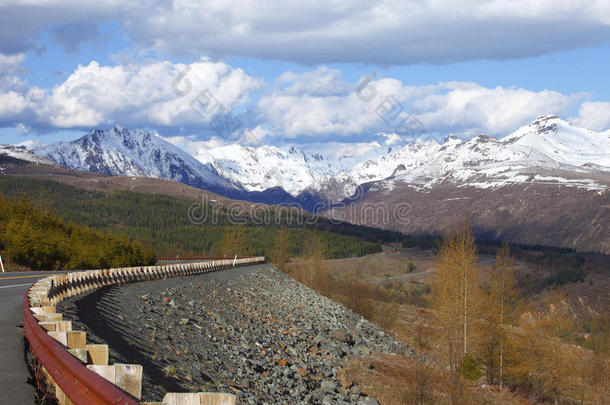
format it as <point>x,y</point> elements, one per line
<point>319,103</point>
<point>313,107</point>
<point>384,104</point>
<point>470,109</point>
<point>158,93</point>
<point>12,104</point>
<point>192,144</point>
<point>594,115</point>
<point>9,64</point>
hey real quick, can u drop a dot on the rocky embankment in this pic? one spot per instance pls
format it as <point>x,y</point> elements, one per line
<point>252,331</point>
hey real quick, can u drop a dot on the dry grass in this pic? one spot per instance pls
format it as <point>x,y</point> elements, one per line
<point>391,379</point>
<point>375,286</point>
<point>382,266</point>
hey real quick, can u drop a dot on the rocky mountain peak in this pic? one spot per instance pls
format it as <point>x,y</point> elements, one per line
<point>546,124</point>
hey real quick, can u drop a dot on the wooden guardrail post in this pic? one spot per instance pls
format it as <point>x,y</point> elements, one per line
<point>125,376</point>
<point>199,398</point>
<point>98,354</point>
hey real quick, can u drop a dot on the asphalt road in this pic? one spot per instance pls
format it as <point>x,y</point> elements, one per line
<point>15,387</point>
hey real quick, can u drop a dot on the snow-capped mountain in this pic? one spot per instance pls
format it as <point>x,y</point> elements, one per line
<point>548,143</point>
<point>576,155</point>
<point>22,152</point>
<point>546,183</point>
<point>264,167</point>
<point>136,153</point>
<point>549,150</point>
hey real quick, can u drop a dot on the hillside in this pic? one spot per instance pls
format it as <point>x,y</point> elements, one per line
<point>41,241</point>
<point>530,213</point>
<point>164,221</point>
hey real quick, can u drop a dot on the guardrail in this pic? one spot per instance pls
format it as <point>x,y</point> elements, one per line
<point>179,259</point>
<point>80,372</point>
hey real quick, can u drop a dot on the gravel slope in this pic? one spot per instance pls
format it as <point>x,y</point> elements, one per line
<point>252,331</point>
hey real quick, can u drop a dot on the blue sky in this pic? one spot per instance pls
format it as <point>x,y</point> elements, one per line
<point>290,72</point>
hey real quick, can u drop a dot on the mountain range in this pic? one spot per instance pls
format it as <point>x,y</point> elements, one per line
<point>579,156</point>
<point>546,157</point>
<point>549,143</point>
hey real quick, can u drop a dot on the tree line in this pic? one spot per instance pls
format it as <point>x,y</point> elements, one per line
<point>162,222</point>
<point>41,241</point>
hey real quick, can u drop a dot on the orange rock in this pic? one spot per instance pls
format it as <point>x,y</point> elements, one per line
<point>302,371</point>
<point>166,299</point>
<point>282,363</point>
<point>345,381</point>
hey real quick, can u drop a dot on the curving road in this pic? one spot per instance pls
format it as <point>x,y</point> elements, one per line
<point>15,387</point>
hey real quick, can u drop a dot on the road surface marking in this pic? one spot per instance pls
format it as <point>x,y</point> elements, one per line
<point>15,285</point>
<point>17,277</point>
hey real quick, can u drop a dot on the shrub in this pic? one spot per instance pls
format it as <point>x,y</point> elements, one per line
<point>470,368</point>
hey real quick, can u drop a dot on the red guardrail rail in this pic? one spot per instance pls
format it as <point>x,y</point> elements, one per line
<point>80,384</point>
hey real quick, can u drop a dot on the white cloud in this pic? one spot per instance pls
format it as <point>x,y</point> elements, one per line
<point>392,139</point>
<point>311,107</point>
<point>12,104</point>
<point>453,107</point>
<point>155,93</point>
<point>320,82</point>
<point>10,63</point>
<point>320,104</point>
<point>470,109</point>
<point>594,115</point>
<point>192,145</point>
<point>21,127</point>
